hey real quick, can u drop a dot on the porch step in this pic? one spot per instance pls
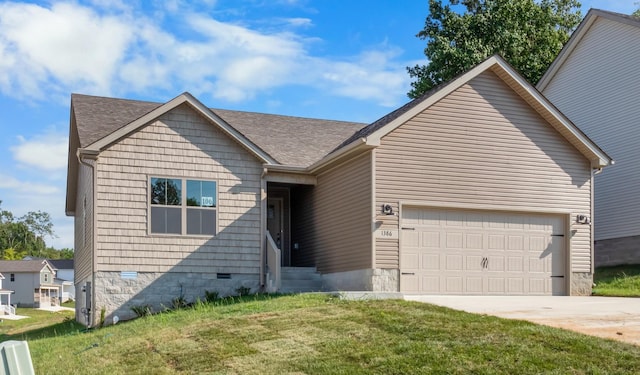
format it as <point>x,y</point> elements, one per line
<point>300,280</point>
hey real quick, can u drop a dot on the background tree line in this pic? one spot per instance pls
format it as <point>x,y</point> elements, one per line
<point>26,235</point>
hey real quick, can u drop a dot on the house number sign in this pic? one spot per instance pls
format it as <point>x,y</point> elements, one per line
<point>387,234</point>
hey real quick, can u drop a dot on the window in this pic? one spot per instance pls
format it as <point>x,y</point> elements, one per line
<point>183,206</point>
<point>12,277</point>
<point>46,277</point>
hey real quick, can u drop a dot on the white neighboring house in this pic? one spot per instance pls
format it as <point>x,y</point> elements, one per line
<point>595,81</point>
<point>64,278</point>
<point>5,300</point>
<point>32,281</point>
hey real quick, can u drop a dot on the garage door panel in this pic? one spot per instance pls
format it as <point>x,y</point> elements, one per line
<point>454,284</point>
<point>495,263</point>
<point>496,242</point>
<point>430,239</point>
<point>475,252</point>
<point>474,263</point>
<point>515,264</point>
<point>474,285</point>
<point>515,243</point>
<point>474,241</point>
<point>430,262</point>
<point>454,262</point>
<point>514,285</point>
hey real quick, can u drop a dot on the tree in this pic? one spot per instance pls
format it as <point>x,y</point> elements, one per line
<point>25,235</point>
<point>528,34</point>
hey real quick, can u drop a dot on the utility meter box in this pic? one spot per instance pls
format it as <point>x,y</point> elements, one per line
<point>16,358</point>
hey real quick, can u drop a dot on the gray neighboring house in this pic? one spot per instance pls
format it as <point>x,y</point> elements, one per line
<point>64,278</point>
<point>595,81</point>
<point>32,281</point>
<point>5,300</point>
<point>481,186</point>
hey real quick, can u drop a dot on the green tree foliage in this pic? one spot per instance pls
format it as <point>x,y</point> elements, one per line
<point>462,33</point>
<point>26,235</point>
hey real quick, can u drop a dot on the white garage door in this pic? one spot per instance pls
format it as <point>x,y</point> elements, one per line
<point>478,252</point>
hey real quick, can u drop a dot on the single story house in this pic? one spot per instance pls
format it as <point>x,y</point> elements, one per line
<point>32,281</point>
<point>595,81</point>
<point>5,300</point>
<point>480,186</point>
<point>64,278</point>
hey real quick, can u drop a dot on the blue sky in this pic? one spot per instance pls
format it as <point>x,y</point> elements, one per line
<point>329,59</point>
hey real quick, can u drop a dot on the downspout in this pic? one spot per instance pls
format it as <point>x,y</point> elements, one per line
<point>94,223</point>
<point>263,226</point>
<point>594,172</point>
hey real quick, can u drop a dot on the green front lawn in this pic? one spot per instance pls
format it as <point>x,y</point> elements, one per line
<point>318,334</point>
<point>619,281</point>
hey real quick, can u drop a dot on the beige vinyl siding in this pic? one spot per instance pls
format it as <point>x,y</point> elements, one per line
<point>598,88</point>
<point>83,241</point>
<point>180,144</point>
<point>337,233</point>
<point>482,146</point>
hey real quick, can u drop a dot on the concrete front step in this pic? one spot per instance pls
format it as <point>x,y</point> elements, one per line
<point>300,279</point>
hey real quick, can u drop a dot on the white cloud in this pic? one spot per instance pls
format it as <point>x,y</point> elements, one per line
<point>70,47</point>
<point>26,187</point>
<point>46,152</point>
<point>68,43</point>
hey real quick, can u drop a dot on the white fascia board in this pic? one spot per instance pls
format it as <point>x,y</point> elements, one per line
<point>173,103</point>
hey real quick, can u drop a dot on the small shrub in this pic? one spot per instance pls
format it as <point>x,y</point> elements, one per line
<point>141,310</point>
<point>103,313</point>
<point>211,296</point>
<point>179,303</point>
<point>243,291</point>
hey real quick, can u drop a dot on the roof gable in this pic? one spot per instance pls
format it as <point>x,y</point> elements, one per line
<point>377,130</point>
<point>24,266</point>
<point>184,98</point>
<point>585,26</point>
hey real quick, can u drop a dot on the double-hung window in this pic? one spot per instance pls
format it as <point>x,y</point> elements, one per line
<point>183,206</point>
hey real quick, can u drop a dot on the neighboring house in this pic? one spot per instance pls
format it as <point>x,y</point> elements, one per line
<point>5,300</point>
<point>64,278</point>
<point>595,81</point>
<point>32,281</point>
<point>481,186</point>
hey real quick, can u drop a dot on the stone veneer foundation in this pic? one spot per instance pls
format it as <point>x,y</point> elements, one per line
<point>376,280</point>
<point>117,293</point>
<point>581,283</point>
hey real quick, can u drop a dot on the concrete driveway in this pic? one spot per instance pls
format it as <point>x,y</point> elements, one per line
<point>608,317</point>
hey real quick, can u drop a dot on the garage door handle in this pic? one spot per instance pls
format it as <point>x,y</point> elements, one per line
<point>405,228</point>
<point>408,273</point>
<point>557,276</point>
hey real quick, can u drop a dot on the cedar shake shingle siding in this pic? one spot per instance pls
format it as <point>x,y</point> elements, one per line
<point>180,144</point>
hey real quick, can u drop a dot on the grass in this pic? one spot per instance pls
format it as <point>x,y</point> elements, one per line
<point>318,334</point>
<point>39,324</point>
<point>618,281</point>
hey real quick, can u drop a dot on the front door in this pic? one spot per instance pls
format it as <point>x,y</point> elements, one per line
<point>274,220</point>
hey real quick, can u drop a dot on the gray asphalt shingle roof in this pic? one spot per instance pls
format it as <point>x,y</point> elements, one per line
<point>292,141</point>
<point>18,266</point>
